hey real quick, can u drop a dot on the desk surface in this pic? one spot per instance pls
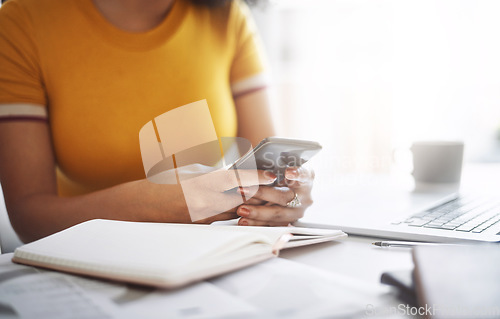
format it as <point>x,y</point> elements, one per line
<point>355,257</point>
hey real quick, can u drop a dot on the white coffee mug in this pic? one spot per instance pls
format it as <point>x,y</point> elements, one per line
<point>437,162</point>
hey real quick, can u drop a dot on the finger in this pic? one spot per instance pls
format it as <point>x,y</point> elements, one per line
<point>222,202</point>
<point>273,213</point>
<point>218,217</point>
<point>252,222</point>
<point>248,193</point>
<point>250,177</point>
<point>232,210</point>
<point>255,201</point>
<point>223,180</point>
<point>301,174</point>
<point>276,195</point>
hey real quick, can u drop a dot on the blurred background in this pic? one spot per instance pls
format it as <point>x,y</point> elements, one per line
<point>366,77</point>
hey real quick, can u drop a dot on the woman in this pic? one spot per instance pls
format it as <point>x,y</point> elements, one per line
<point>79,78</point>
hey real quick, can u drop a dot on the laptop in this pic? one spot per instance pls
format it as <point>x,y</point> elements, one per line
<point>433,217</point>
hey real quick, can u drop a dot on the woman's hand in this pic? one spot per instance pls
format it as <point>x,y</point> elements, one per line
<point>209,194</point>
<point>275,212</point>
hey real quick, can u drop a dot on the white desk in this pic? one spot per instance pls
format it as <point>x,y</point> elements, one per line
<point>355,257</point>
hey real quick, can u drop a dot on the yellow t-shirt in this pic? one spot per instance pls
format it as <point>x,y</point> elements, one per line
<point>100,84</point>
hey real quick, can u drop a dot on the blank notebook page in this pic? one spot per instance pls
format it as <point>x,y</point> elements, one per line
<point>114,244</point>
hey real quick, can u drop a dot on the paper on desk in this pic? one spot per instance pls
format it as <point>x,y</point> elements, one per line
<point>49,295</point>
<point>277,288</point>
<point>29,292</point>
<point>201,300</point>
<point>280,288</point>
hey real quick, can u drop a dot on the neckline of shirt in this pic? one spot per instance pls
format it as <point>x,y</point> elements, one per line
<point>135,41</point>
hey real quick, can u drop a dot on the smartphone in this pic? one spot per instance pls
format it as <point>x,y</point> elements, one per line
<point>275,154</point>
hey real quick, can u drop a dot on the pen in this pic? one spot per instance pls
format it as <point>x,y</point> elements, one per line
<point>402,244</point>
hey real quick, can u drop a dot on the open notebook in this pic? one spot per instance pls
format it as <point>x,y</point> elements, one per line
<point>159,254</point>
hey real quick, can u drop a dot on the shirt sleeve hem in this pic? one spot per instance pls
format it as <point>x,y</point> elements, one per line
<point>250,84</point>
<point>16,111</point>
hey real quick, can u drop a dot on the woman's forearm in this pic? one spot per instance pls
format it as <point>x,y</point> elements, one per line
<point>39,215</point>
<point>27,173</point>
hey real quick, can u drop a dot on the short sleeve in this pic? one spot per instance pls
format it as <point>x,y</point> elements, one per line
<point>21,87</point>
<point>248,67</point>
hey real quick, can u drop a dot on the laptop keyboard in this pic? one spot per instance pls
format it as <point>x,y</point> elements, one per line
<point>463,214</point>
